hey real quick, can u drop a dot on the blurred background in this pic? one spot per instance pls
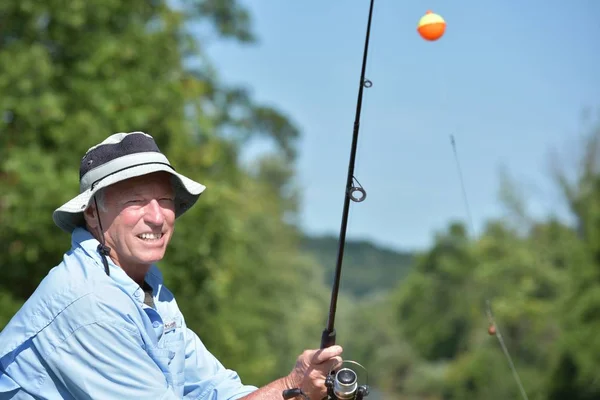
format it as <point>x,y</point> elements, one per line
<point>257,100</point>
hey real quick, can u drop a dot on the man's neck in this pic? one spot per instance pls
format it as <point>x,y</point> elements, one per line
<point>137,272</point>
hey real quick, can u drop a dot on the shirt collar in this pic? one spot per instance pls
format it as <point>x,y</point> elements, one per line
<point>83,238</point>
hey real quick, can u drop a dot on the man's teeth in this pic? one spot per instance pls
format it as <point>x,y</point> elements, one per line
<point>150,236</point>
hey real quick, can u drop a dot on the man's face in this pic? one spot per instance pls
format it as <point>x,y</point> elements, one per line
<point>138,220</point>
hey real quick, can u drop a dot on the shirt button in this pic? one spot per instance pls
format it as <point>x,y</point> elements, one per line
<point>155,324</point>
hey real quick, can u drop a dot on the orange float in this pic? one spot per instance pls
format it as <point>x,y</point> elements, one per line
<point>431,26</point>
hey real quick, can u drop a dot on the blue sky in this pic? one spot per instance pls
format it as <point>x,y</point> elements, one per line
<point>509,80</point>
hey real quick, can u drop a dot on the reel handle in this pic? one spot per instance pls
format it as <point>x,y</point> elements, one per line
<point>362,392</point>
<point>291,393</point>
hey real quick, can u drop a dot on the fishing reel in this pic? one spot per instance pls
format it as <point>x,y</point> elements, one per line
<point>342,384</point>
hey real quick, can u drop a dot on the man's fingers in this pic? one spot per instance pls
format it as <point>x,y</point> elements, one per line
<point>330,365</point>
<point>337,362</point>
<point>327,353</point>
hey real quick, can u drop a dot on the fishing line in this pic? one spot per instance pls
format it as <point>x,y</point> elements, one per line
<point>497,333</point>
<point>462,185</point>
<point>441,78</point>
<point>493,329</point>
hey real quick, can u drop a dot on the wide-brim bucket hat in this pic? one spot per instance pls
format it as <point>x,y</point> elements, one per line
<point>119,157</point>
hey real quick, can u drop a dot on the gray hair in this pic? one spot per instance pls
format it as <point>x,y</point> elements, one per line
<point>100,199</point>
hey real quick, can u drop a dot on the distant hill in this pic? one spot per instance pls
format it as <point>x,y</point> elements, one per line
<point>366,269</point>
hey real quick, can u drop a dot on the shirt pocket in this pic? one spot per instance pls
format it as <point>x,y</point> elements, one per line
<point>169,355</point>
<point>173,344</point>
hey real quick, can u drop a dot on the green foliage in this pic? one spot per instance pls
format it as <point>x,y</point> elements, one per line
<point>367,268</point>
<point>439,285</point>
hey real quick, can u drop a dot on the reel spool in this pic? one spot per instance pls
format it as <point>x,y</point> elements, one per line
<point>343,383</point>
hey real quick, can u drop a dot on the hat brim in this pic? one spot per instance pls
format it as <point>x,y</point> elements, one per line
<point>187,191</point>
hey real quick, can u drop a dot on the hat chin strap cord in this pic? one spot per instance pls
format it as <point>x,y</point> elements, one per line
<point>103,249</point>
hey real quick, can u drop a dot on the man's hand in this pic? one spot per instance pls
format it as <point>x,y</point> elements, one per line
<point>312,367</point>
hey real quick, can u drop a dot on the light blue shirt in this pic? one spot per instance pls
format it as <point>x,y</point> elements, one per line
<point>86,335</point>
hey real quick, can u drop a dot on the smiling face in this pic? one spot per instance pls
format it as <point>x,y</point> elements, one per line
<point>138,218</point>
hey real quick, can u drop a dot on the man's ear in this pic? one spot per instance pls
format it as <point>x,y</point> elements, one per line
<point>91,216</point>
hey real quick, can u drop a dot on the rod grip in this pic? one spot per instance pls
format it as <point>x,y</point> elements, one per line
<point>327,338</point>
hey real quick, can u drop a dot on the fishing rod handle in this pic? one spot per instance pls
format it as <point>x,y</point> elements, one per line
<point>327,338</point>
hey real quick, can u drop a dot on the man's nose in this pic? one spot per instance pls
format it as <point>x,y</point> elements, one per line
<point>154,213</point>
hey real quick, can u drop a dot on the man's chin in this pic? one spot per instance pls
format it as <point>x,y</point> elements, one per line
<point>153,260</point>
<point>148,257</point>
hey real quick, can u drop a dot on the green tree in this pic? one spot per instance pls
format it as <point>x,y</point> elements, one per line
<point>575,371</point>
<point>541,278</point>
<point>433,302</point>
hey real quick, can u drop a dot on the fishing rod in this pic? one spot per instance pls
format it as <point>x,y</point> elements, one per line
<point>493,329</point>
<point>343,383</point>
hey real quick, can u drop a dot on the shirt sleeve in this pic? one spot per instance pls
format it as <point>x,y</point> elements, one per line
<point>106,360</point>
<point>206,378</point>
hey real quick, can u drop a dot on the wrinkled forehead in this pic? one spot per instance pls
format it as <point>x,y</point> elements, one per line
<point>157,183</point>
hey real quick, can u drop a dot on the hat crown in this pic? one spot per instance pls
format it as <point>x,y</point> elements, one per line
<point>116,146</point>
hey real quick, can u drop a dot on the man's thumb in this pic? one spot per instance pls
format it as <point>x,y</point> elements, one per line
<point>327,353</point>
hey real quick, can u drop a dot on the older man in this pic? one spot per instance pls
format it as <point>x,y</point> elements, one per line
<point>102,325</point>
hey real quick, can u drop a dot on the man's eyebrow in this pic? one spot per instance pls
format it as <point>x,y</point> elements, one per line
<point>130,192</point>
<point>135,193</point>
